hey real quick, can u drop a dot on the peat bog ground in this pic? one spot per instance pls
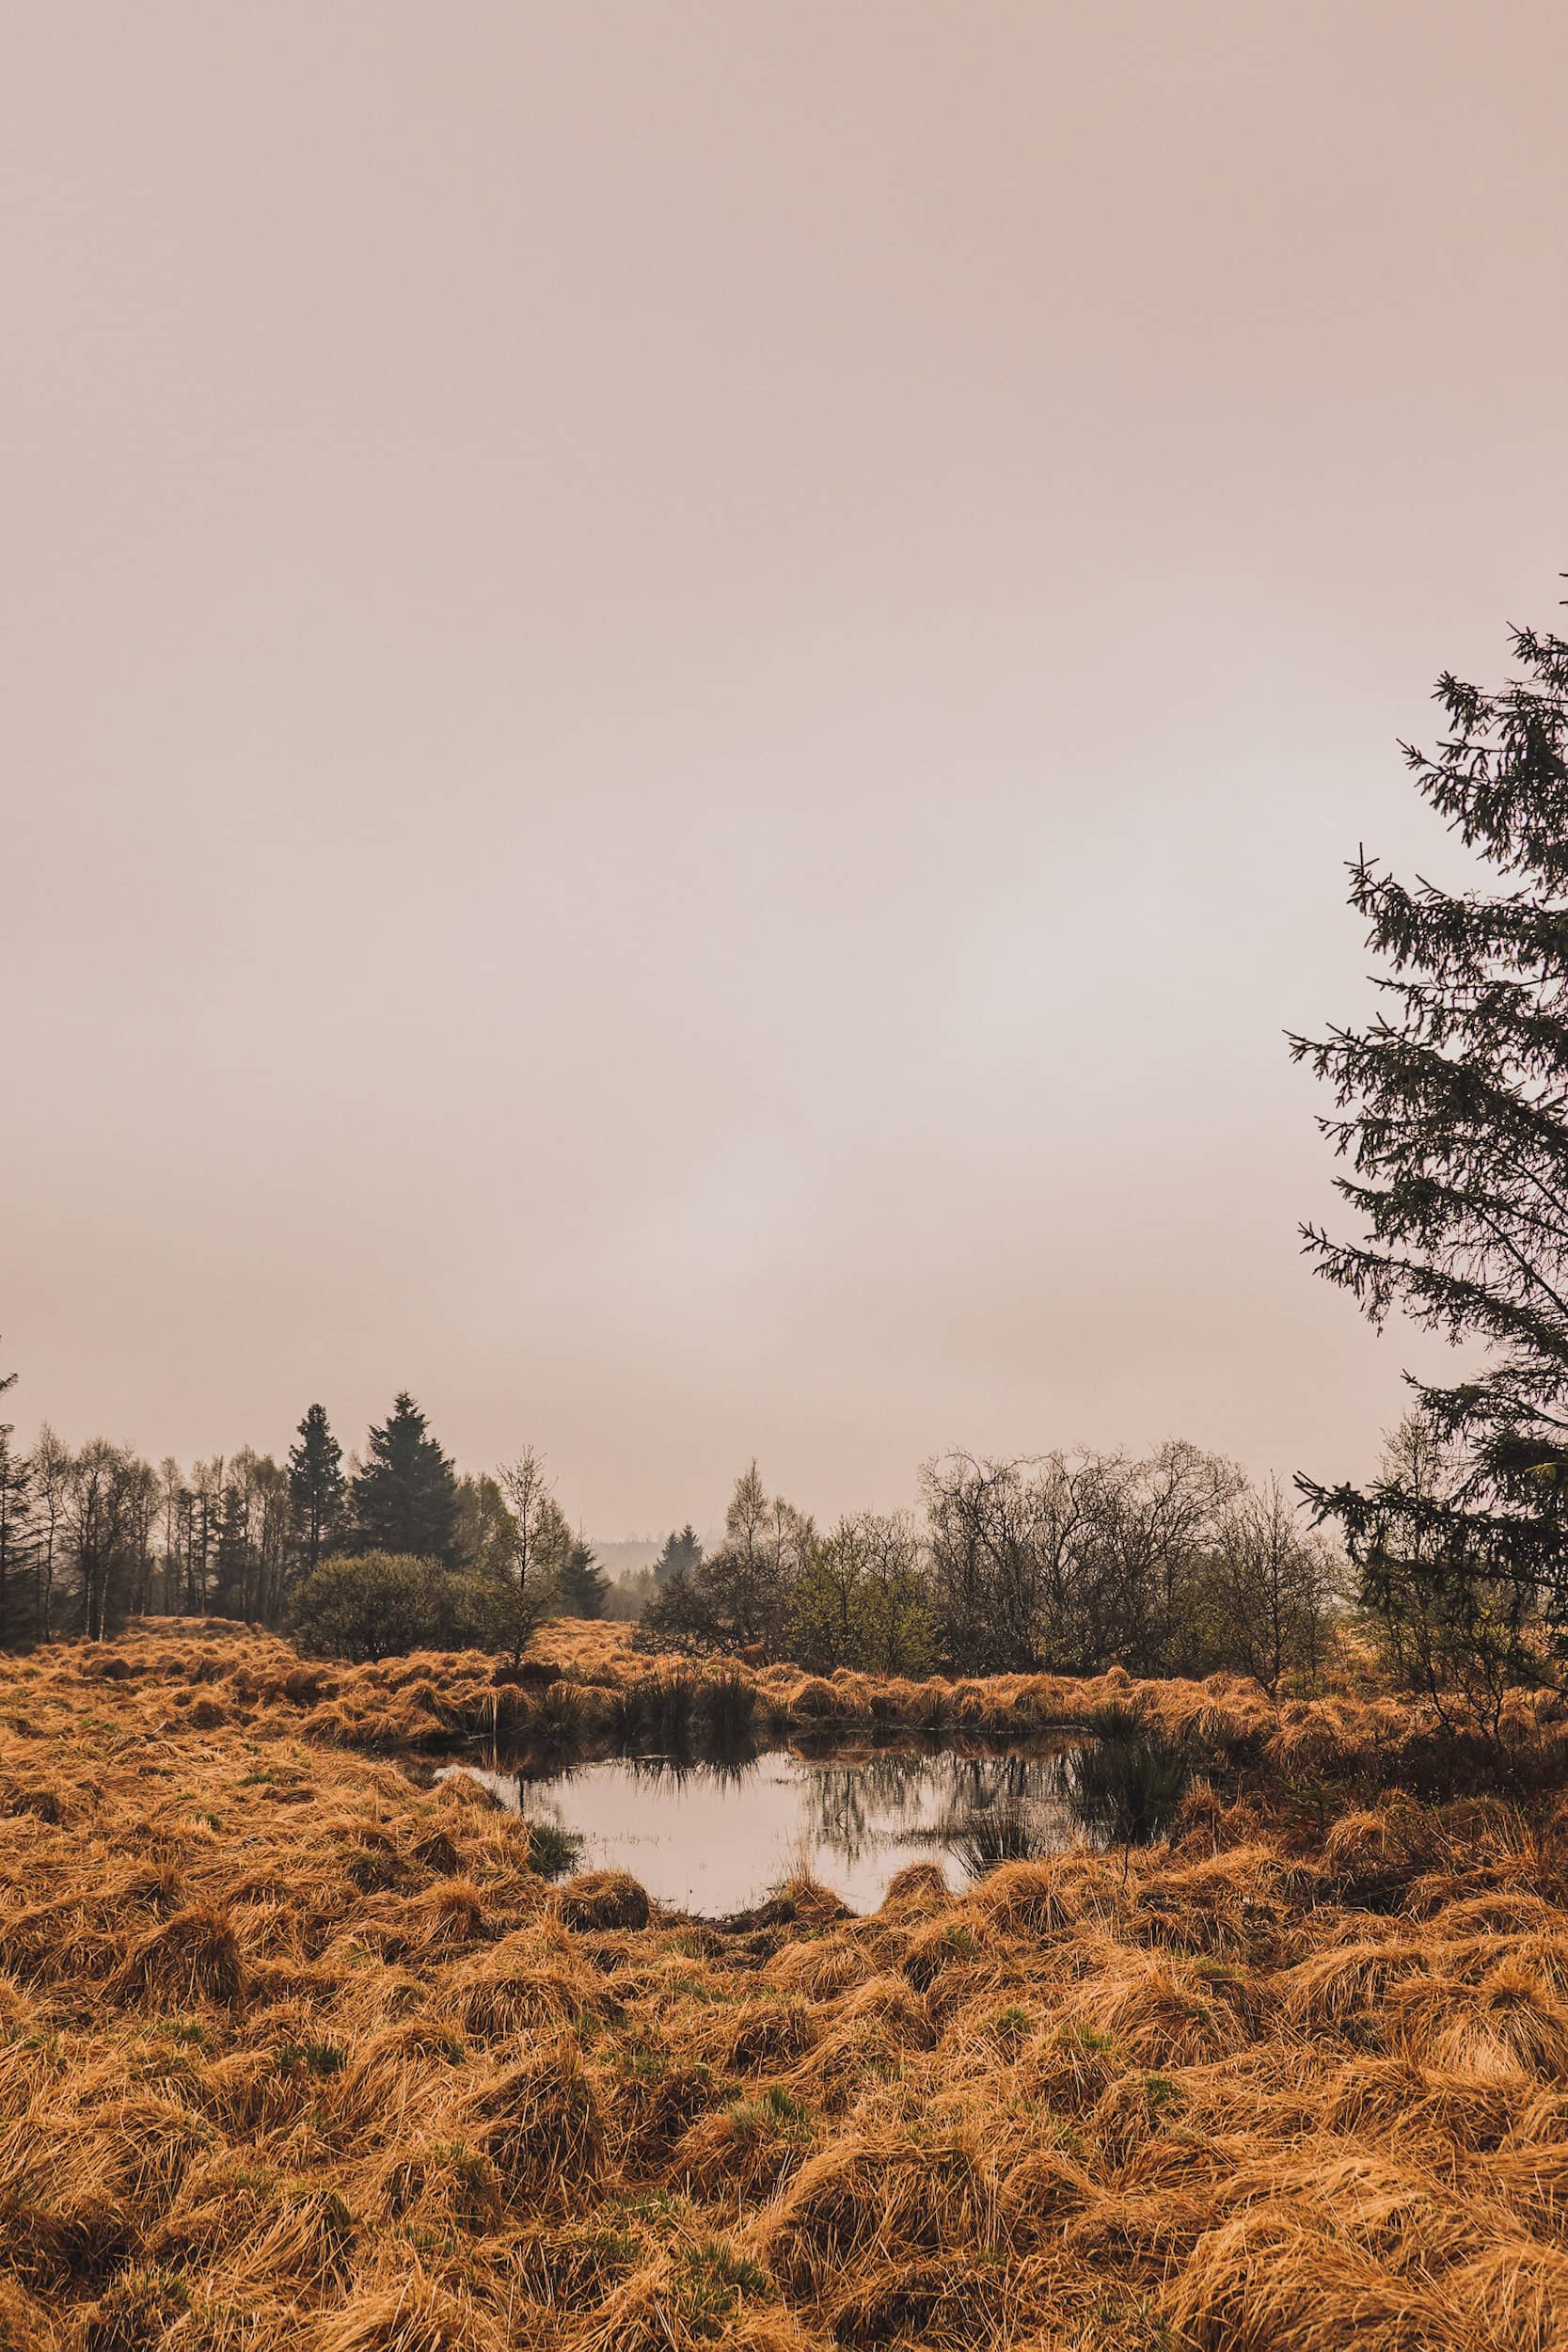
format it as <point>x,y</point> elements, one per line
<point>298,2049</point>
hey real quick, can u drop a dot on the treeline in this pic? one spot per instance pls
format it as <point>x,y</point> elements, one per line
<point>95,1535</point>
<point>1174,1564</point>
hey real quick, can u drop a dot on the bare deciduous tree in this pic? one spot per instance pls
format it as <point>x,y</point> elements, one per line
<point>538,1548</point>
<point>110,1504</point>
<point>1274,1583</point>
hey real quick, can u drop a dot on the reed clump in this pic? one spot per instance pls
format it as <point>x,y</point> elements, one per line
<point>294,2050</point>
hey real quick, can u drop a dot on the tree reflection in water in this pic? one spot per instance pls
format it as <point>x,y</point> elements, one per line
<point>980,1809</point>
<point>1126,1787</point>
<point>725,1768</point>
<point>716,1831</point>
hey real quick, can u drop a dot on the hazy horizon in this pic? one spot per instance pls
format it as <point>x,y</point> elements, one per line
<point>685,695</point>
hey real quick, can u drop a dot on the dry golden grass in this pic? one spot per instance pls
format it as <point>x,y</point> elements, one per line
<point>1354,1739</point>
<point>294,2050</point>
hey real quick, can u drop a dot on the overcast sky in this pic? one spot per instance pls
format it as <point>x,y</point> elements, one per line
<point>684,690</point>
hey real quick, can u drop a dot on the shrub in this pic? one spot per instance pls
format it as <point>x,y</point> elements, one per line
<point>382,1604</point>
<point>683,1617</point>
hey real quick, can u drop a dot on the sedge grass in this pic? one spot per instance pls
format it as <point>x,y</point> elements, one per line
<point>293,2050</point>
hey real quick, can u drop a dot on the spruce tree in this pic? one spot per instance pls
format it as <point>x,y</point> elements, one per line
<point>316,1486</point>
<point>404,1499</point>
<point>1454,1120</point>
<point>681,1552</point>
<point>583,1588</point>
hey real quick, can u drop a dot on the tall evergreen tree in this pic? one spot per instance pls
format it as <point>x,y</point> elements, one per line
<point>583,1587</point>
<point>316,1486</point>
<point>681,1552</point>
<point>1453,1117</point>
<point>405,1498</point>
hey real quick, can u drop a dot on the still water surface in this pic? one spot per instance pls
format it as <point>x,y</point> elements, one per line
<point>717,1838</point>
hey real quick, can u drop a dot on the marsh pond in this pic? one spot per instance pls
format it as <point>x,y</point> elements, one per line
<point>716,1838</point>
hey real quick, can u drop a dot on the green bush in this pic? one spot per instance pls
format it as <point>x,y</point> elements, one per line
<point>381,1604</point>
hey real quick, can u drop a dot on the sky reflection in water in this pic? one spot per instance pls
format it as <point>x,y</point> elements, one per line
<point>715,1838</point>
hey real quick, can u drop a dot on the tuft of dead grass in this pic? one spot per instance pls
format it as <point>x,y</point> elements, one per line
<point>191,1957</point>
<point>413,2313</point>
<point>597,1900</point>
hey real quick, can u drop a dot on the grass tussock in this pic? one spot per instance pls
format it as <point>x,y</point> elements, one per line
<point>295,2052</point>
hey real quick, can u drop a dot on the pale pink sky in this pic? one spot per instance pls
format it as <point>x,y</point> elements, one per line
<point>685,687</point>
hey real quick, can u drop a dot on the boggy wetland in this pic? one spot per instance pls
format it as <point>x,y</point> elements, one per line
<point>304,2045</point>
<point>716,1834</point>
<point>726,1808</point>
<point>716,1630</point>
